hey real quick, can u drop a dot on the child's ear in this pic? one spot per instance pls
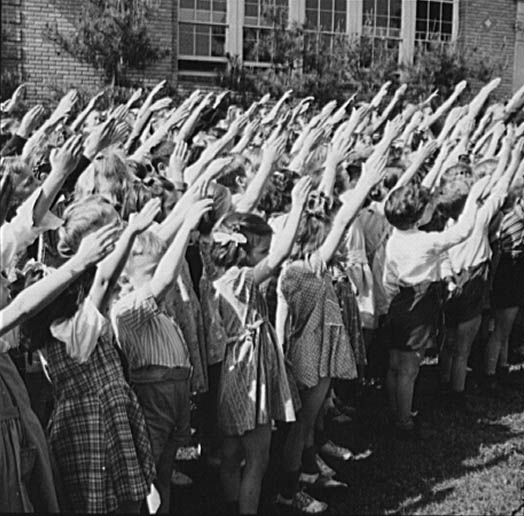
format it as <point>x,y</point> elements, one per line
<point>241,181</point>
<point>161,168</point>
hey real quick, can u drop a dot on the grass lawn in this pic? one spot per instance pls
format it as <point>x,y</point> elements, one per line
<point>474,464</point>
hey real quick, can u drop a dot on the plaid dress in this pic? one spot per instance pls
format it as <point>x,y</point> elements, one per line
<point>317,344</point>
<point>97,431</point>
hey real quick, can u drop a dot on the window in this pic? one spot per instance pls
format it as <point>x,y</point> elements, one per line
<point>382,18</point>
<point>201,29</point>
<point>326,20</point>
<point>381,24</point>
<point>257,37</point>
<point>326,15</point>
<point>434,20</point>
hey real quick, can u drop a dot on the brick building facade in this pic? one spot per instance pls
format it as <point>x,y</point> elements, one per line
<point>199,34</point>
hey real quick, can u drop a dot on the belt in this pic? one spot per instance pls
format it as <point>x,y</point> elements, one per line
<point>155,373</point>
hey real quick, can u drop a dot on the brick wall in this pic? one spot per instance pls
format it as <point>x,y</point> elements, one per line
<point>46,65</point>
<point>490,25</point>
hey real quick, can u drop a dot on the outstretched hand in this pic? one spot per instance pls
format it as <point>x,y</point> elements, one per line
<point>139,222</point>
<point>97,245</point>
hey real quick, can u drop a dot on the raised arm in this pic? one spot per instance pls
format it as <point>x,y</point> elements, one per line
<point>63,163</point>
<point>110,268</point>
<point>284,240</point>
<point>271,152</point>
<point>423,153</point>
<point>188,126</point>
<point>194,171</point>
<point>372,173</point>
<point>82,116</point>
<point>36,297</point>
<point>446,105</point>
<point>169,267</point>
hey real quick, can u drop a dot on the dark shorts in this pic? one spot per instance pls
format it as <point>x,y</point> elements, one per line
<point>165,401</point>
<point>413,318</point>
<point>471,297</point>
<point>508,282</point>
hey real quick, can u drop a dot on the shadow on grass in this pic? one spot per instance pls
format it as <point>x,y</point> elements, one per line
<point>399,477</point>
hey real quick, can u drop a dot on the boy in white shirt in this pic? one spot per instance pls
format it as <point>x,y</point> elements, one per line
<point>412,274</point>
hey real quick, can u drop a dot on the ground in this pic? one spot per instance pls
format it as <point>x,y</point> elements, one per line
<point>473,465</point>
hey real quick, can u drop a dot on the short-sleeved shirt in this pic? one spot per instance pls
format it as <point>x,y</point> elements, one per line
<point>147,334</point>
<point>414,257</point>
<point>81,332</point>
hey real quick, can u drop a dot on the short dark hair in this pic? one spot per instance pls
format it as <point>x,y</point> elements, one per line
<point>452,196</point>
<point>405,205</point>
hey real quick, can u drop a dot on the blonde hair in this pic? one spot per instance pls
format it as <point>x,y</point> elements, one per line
<point>148,243</point>
<point>107,175</point>
<point>81,218</point>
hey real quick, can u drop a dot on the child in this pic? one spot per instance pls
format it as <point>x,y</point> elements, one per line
<point>470,265</point>
<point>97,431</point>
<point>157,354</point>
<point>412,272</point>
<point>310,325</point>
<point>25,467</point>
<point>253,388</point>
<point>508,292</point>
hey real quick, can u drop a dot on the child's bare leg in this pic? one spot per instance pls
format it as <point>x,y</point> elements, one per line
<point>391,382</point>
<point>445,359</point>
<point>230,468</point>
<point>301,432</point>
<point>409,365</point>
<point>466,333</point>
<point>256,449</point>
<point>499,339</point>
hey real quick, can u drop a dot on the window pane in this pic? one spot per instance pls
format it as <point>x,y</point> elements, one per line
<point>219,17</point>
<point>447,28</point>
<point>202,40</point>
<point>340,21</point>
<point>249,43</point>
<point>220,5</point>
<point>340,5</point>
<point>251,9</point>
<point>326,21</point>
<point>204,16</point>
<point>189,4</point>
<point>311,4</point>
<point>311,18</point>
<point>326,5</point>
<point>186,15</point>
<point>447,13</point>
<point>204,4</point>
<point>218,41</point>
<point>185,39</point>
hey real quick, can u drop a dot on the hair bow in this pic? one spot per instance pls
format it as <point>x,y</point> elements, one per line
<point>223,238</point>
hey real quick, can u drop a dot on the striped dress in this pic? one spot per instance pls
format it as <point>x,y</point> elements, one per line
<point>254,385</point>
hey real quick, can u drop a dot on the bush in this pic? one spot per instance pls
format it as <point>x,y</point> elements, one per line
<point>335,67</point>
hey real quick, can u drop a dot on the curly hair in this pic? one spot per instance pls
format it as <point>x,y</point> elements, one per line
<point>81,218</point>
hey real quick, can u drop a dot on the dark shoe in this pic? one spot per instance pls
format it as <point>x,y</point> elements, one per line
<point>460,403</point>
<point>415,433</point>
<point>503,376</point>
